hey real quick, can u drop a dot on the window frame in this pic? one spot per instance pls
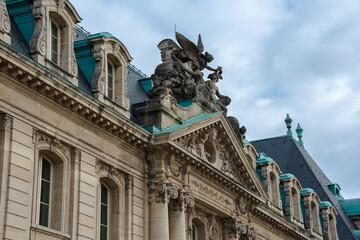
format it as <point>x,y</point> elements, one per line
<point>54,23</point>
<point>108,213</point>
<point>50,192</point>
<point>109,63</point>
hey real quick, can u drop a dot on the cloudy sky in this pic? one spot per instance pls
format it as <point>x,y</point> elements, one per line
<point>278,57</point>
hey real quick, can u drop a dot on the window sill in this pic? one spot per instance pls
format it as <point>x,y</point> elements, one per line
<point>41,230</point>
<point>114,105</point>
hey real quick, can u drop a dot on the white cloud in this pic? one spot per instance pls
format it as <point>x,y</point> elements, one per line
<point>278,57</point>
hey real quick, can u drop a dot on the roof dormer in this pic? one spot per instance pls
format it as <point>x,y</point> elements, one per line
<point>104,59</point>
<point>53,39</point>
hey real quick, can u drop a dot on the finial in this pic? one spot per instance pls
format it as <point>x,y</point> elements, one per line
<point>299,132</point>
<point>288,122</point>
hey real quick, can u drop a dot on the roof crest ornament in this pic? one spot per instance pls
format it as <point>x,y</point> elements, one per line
<point>288,122</point>
<point>299,132</point>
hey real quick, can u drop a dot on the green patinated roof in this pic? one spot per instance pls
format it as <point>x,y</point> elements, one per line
<point>179,126</point>
<point>351,206</point>
<point>306,190</point>
<point>324,204</point>
<point>286,176</point>
<point>357,233</point>
<point>262,158</point>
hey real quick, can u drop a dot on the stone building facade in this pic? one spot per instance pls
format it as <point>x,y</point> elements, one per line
<point>85,156</point>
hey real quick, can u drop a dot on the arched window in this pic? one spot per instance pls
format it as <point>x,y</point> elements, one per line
<point>55,42</point>
<point>110,77</point>
<point>296,203</point>
<point>315,218</point>
<point>332,228</point>
<point>45,192</point>
<point>110,220</point>
<point>198,230</point>
<point>104,212</point>
<point>274,189</point>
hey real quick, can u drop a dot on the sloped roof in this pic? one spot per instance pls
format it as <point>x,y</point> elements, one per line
<point>293,158</point>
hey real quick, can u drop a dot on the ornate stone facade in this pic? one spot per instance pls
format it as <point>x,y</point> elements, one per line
<point>74,166</point>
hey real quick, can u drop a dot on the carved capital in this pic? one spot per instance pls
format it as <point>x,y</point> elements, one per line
<point>129,180</point>
<point>5,122</point>
<point>75,155</point>
<point>5,25</point>
<point>163,190</point>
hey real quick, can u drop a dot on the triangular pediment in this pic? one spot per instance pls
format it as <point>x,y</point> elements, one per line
<point>212,140</point>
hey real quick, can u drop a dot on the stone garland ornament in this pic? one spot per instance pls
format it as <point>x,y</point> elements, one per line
<point>237,229</point>
<point>180,76</point>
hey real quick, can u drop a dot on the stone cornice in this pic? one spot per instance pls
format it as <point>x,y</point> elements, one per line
<point>209,172</point>
<point>56,89</point>
<point>277,221</point>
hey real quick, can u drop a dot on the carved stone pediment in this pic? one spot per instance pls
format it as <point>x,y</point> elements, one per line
<point>213,141</point>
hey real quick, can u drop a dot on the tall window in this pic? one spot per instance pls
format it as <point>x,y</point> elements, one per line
<point>110,81</point>
<point>55,42</point>
<point>296,203</point>
<point>194,233</point>
<point>45,192</point>
<point>104,213</point>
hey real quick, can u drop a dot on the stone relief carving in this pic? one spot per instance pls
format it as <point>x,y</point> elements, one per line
<point>211,193</point>
<point>237,229</point>
<point>54,142</point>
<point>208,219</point>
<point>5,123</point>
<point>100,166</point>
<point>98,81</point>
<point>163,190</point>
<point>239,131</point>
<point>38,40</point>
<point>180,75</point>
<point>5,25</point>
<point>74,66</point>
<point>206,144</point>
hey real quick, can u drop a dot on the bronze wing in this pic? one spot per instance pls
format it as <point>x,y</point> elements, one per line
<point>190,49</point>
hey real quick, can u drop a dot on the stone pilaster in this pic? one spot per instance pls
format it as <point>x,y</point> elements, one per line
<point>5,25</point>
<point>308,216</point>
<point>288,199</point>
<point>5,148</point>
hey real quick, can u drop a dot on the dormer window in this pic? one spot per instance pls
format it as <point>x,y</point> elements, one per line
<point>110,81</point>
<point>55,43</point>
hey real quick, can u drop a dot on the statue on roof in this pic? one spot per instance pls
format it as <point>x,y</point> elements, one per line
<point>181,76</point>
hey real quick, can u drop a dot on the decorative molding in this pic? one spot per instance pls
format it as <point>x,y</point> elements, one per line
<point>208,219</point>
<point>211,193</point>
<point>53,142</point>
<point>39,39</point>
<point>5,24</point>
<point>58,91</point>
<point>5,122</point>
<point>75,155</point>
<point>110,170</point>
<point>129,181</point>
<point>98,80</point>
<point>237,229</point>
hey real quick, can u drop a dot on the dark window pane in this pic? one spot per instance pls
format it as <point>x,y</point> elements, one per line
<point>104,194</point>
<point>46,170</point>
<point>103,233</point>
<point>45,192</point>
<point>104,214</point>
<point>44,215</point>
<point>54,57</point>
<point>54,30</point>
<point>110,94</point>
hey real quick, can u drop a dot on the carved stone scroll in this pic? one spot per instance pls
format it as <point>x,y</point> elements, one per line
<point>38,41</point>
<point>5,25</point>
